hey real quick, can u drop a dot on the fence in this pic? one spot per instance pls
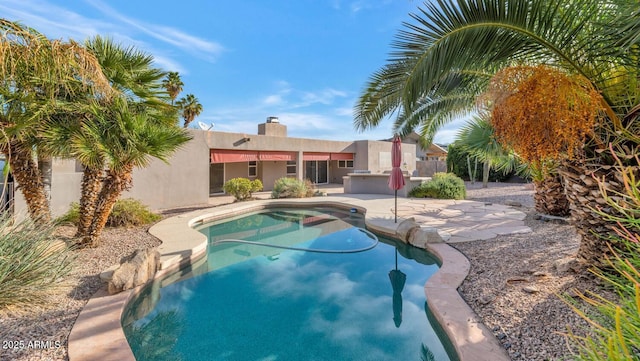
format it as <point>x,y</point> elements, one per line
<point>6,197</point>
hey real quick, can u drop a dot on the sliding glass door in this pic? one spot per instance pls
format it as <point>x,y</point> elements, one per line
<point>317,171</point>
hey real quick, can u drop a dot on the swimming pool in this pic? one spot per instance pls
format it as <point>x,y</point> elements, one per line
<point>250,302</point>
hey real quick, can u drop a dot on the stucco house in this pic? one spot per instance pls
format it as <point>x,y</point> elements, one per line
<point>200,168</point>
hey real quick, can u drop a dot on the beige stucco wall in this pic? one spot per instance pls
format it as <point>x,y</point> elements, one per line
<point>270,171</point>
<point>183,181</point>
<point>336,174</point>
<point>65,189</point>
<point>375,156</point>
<point>236,170</point>
<point>378,184</point>
<point>234,141</point>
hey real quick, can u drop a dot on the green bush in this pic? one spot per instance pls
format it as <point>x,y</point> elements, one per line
<point>242,188</point>
<point>292,188</point>
<point>442,186</point>
<point>126,212</point>
<point>131,212</point>
<point>72,216</point>
<point>31,265</point>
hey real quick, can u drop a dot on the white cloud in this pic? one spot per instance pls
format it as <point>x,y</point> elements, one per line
<point>273,99</point>
<point>325,96</point>
<point>169,64</point>
<point>344,111</point>
<point>166,34</point>
<point>53,21</point>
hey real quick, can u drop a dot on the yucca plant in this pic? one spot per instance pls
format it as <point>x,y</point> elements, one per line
<point>31,265</point>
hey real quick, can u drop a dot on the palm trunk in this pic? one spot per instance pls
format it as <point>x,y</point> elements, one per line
<point>91,187</point>
<point>45,167</point>
<point>485,174</point>
<point>115,183</point>
<point>25,172</point>
<point>584,195</point>
<point>549,196</point>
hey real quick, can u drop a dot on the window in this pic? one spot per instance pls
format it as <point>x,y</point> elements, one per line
<point>291,167</point>
<point>253,168</point>
<point>345,164</point>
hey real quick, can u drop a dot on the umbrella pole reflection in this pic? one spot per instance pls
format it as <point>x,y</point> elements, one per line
<point>397,279</point>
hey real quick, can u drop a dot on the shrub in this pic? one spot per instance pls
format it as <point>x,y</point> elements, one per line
<point>442,186</point>
<point>292,188</point>
<point>242,188</point>
<point>126,212</point>
<point>31,265</point>
<point>131,212</point>
<point>72,216</point>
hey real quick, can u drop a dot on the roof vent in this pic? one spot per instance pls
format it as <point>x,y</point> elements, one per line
<point>272,120</point>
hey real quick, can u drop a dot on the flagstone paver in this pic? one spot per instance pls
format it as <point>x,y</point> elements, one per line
<point>464,220</point>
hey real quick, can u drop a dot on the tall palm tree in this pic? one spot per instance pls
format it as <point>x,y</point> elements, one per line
<point>451,40</point>
<point>35,74</point>
<point>173,84</point>
<point>190,107</point>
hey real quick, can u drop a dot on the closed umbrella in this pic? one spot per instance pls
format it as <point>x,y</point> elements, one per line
<point>396,179</point>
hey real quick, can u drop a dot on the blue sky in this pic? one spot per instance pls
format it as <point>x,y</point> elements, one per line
<point>304,61</point>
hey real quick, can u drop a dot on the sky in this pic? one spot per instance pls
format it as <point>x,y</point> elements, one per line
<point>303,61</point>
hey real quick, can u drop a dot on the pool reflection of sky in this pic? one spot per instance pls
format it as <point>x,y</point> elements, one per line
<point>300,306</point>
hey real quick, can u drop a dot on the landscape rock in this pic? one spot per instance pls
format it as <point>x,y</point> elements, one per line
<point>566,264</point>
<point>423,235</point>
<point>531,289</point>
<point>405,227</point>
<point>512,203</point>
<point>136,271</point>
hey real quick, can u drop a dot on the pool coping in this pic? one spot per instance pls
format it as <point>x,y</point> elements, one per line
<point>97,332</point>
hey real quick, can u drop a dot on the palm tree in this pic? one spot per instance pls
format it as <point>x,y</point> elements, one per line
<point>36,74</point>
<point>452,41</point>
<point>132,74</point>
<point>128,139</point>
<point>80,133</point>
<point>173,84</point>
<point>477,137</point>
<point>190,107</point>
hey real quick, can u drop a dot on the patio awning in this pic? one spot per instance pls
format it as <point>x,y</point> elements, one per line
<point>316,156</point>
<point>233,156</point>
<point>272,155</point>
<point>341,156</point>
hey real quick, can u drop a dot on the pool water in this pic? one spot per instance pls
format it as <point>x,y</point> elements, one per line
<point>249,302</point>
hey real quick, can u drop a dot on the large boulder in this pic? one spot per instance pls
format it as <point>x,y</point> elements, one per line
<point>409,231</point>
<point>132,271</point>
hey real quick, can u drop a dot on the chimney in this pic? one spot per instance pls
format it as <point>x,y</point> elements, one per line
<point>272,128</point>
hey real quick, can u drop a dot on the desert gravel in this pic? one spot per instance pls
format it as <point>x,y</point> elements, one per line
<point>513,285</point>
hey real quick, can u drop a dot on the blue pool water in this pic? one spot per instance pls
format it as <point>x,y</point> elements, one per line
<point>249,302</point>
